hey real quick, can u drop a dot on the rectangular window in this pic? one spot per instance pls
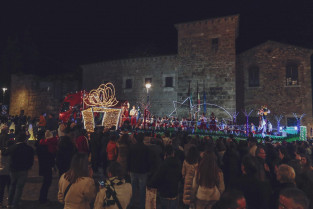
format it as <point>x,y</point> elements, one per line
<point>292,74</point>
<point>254,80</point>
<point>214,45</point>
<point>148,80</point>
<point>128,84</point>
<point>168,81</point>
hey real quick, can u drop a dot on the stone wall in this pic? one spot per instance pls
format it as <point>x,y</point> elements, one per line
<point>197,61</point>
<point>36,95</point>
<point>207,56</point>
<point>272,58</point>
<point>157,68</point>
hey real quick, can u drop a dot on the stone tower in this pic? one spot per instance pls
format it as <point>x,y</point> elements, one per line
<point>207,56</point>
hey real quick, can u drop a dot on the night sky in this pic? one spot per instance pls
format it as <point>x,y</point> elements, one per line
<point>67,33</point>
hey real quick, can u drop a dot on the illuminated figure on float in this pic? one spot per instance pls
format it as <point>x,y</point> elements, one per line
<point>125,112</point>
<point>263,112</point>
<point>133,114</point>
<point>212,122</point>
<point>203,123</point>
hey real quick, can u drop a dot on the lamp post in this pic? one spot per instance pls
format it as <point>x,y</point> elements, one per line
<point>148,86</point>
<point>4,89</point>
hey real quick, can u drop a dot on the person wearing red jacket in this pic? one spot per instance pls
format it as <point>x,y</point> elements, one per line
<point>112,149</point>
<point>82,142</point>
<point>46,152</point>
<point>51,141</point>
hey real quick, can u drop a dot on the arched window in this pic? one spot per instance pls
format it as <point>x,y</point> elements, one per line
<point>292,74</point>
<point>254,76</point>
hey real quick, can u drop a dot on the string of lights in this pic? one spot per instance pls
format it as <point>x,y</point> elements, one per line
<point>103,96</point>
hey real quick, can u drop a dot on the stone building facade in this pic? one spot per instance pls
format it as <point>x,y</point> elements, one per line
<point>273,74</point>
<point>36,95</point>
<point>206,59</point>
<point>279,76</point>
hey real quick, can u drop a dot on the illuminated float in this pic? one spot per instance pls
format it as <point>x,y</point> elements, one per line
<point>101,101</point>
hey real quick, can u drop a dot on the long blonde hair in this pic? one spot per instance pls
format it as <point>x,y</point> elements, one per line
<point>207,175</point>
<point>79,168</point>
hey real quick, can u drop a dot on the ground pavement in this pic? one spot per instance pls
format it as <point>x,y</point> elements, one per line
<point>31,191</point>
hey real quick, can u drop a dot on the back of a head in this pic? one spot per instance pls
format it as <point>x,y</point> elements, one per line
<point>220,146</point>
<point>22,137</point>
<point>193,155</point>
<point>286,174</point>
<point>48,134</point>
<point>250,166</point>
<point>297,199</point>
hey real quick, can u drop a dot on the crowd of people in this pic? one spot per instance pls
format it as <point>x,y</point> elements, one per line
<point>136,169</point>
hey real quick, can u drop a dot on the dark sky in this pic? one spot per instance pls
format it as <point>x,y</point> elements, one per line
<point>86,31</point>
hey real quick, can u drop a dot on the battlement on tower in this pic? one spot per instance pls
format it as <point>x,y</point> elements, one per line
<point>211,21</point>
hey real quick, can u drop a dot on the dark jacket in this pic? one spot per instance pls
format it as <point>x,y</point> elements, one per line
<point>138,158</point>
<point>21,157</point>
<point>52,124</point>
<point>66,150</point>
<point>254,190</point>
<point>167,178</point>
<point>45,159</point>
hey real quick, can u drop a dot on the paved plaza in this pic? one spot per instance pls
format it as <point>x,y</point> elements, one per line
<point>31,191</point>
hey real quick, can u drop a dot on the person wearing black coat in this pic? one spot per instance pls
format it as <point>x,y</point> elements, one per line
<point>167,179</point>
<point>21,160</point>
<point>95,148</point>
<point>66,150</point>
<point>46,163</point>
<point>139,167</point>
<point>254,190</point>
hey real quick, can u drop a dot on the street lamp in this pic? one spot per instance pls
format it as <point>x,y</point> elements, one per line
<point>148,86</point>
<point>4,89</point>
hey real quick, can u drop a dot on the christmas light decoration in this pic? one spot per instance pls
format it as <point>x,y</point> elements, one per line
<point>194,108</point>
<point>103,96</point>
<point>89,122</point>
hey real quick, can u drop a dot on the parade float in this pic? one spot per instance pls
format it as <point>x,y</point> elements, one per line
<point>99,107</point>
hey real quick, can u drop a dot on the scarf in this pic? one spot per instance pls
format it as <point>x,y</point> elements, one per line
<point>110,190</point>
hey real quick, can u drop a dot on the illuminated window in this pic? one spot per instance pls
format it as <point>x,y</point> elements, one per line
<point>254,76</point>
<point>292,74</point>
